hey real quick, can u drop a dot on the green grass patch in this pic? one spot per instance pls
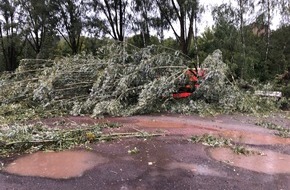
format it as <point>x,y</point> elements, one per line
<point>213,141</point>
<point>280,130</point>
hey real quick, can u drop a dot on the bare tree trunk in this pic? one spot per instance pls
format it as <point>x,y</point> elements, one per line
<point>183,15</point>
<point>268,30</point>
<point>241,16</point>
<point>3,47</point>
<point>195,40</point>
<point>121,17</point>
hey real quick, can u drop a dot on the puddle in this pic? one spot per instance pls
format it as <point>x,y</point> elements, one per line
<point>173,127</point>
<point>160,124</point>
<point>270,163</point>
<point>249,137</point>
<point>260,137</point>
<point>170,123</point>
<point>197,169</point>
<point>254,138</point>
<point>56,165</point>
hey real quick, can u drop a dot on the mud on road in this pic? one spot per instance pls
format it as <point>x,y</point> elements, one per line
<point>170,161</point>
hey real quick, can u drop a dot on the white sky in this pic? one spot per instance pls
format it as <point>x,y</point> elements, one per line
<point>207,20</point>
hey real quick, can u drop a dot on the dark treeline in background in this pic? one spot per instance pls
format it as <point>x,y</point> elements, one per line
<point>51,28</point>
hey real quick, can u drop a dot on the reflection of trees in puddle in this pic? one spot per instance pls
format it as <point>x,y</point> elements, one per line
<point>269,162</point>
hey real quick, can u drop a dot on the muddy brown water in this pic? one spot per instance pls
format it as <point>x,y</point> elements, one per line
<point>57,165</point>
<point>268,162</point>
<point>254,138</point>
<point>241,133</point>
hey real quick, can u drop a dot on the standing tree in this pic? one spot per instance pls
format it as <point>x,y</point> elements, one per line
<point>37,15</point>
<point>183,12</point>
<point>197,18</point>
<point>110,17</point>
<point>225,37</point>
<point>10,31</point>
<point>69,18</point>
<point>142,19</point>
<point>280,48</point>
<point>241,14</point>
<point>284,6</point>
<point>244,7</point>
<point>267,9</point>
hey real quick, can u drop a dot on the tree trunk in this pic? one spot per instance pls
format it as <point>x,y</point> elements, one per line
<point>268,30</point>
<point>241,15</point>
<point>195,40</point>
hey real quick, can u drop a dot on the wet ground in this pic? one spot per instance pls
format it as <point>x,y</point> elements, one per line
<point>166,162</point>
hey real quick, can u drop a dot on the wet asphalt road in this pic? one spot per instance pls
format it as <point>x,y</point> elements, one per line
<point>166,162</point>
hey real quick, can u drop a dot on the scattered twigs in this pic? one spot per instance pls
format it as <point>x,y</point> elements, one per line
<point>127,135</point>
<point>279,130</point>
<point>213,141</point>
<point>19,139</point>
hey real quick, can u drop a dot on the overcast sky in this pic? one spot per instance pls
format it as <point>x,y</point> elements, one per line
<point>207,20</point>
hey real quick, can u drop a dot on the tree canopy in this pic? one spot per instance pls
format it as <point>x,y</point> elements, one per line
<point>242,30</point>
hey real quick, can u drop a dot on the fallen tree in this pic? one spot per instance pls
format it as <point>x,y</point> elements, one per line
<point>122,81</point>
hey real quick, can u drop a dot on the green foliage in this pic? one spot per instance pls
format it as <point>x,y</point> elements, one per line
<point>214,86</point>
<point>286,91</point>
<point>279,56</point>
<point>213,141</point>
<point>138,41</point>
<point>250,62</point>
<point>210,140</point>
<point>62,49</point>
<point>241,150</point>
<point>170,43</point>
<point>205,44</point>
